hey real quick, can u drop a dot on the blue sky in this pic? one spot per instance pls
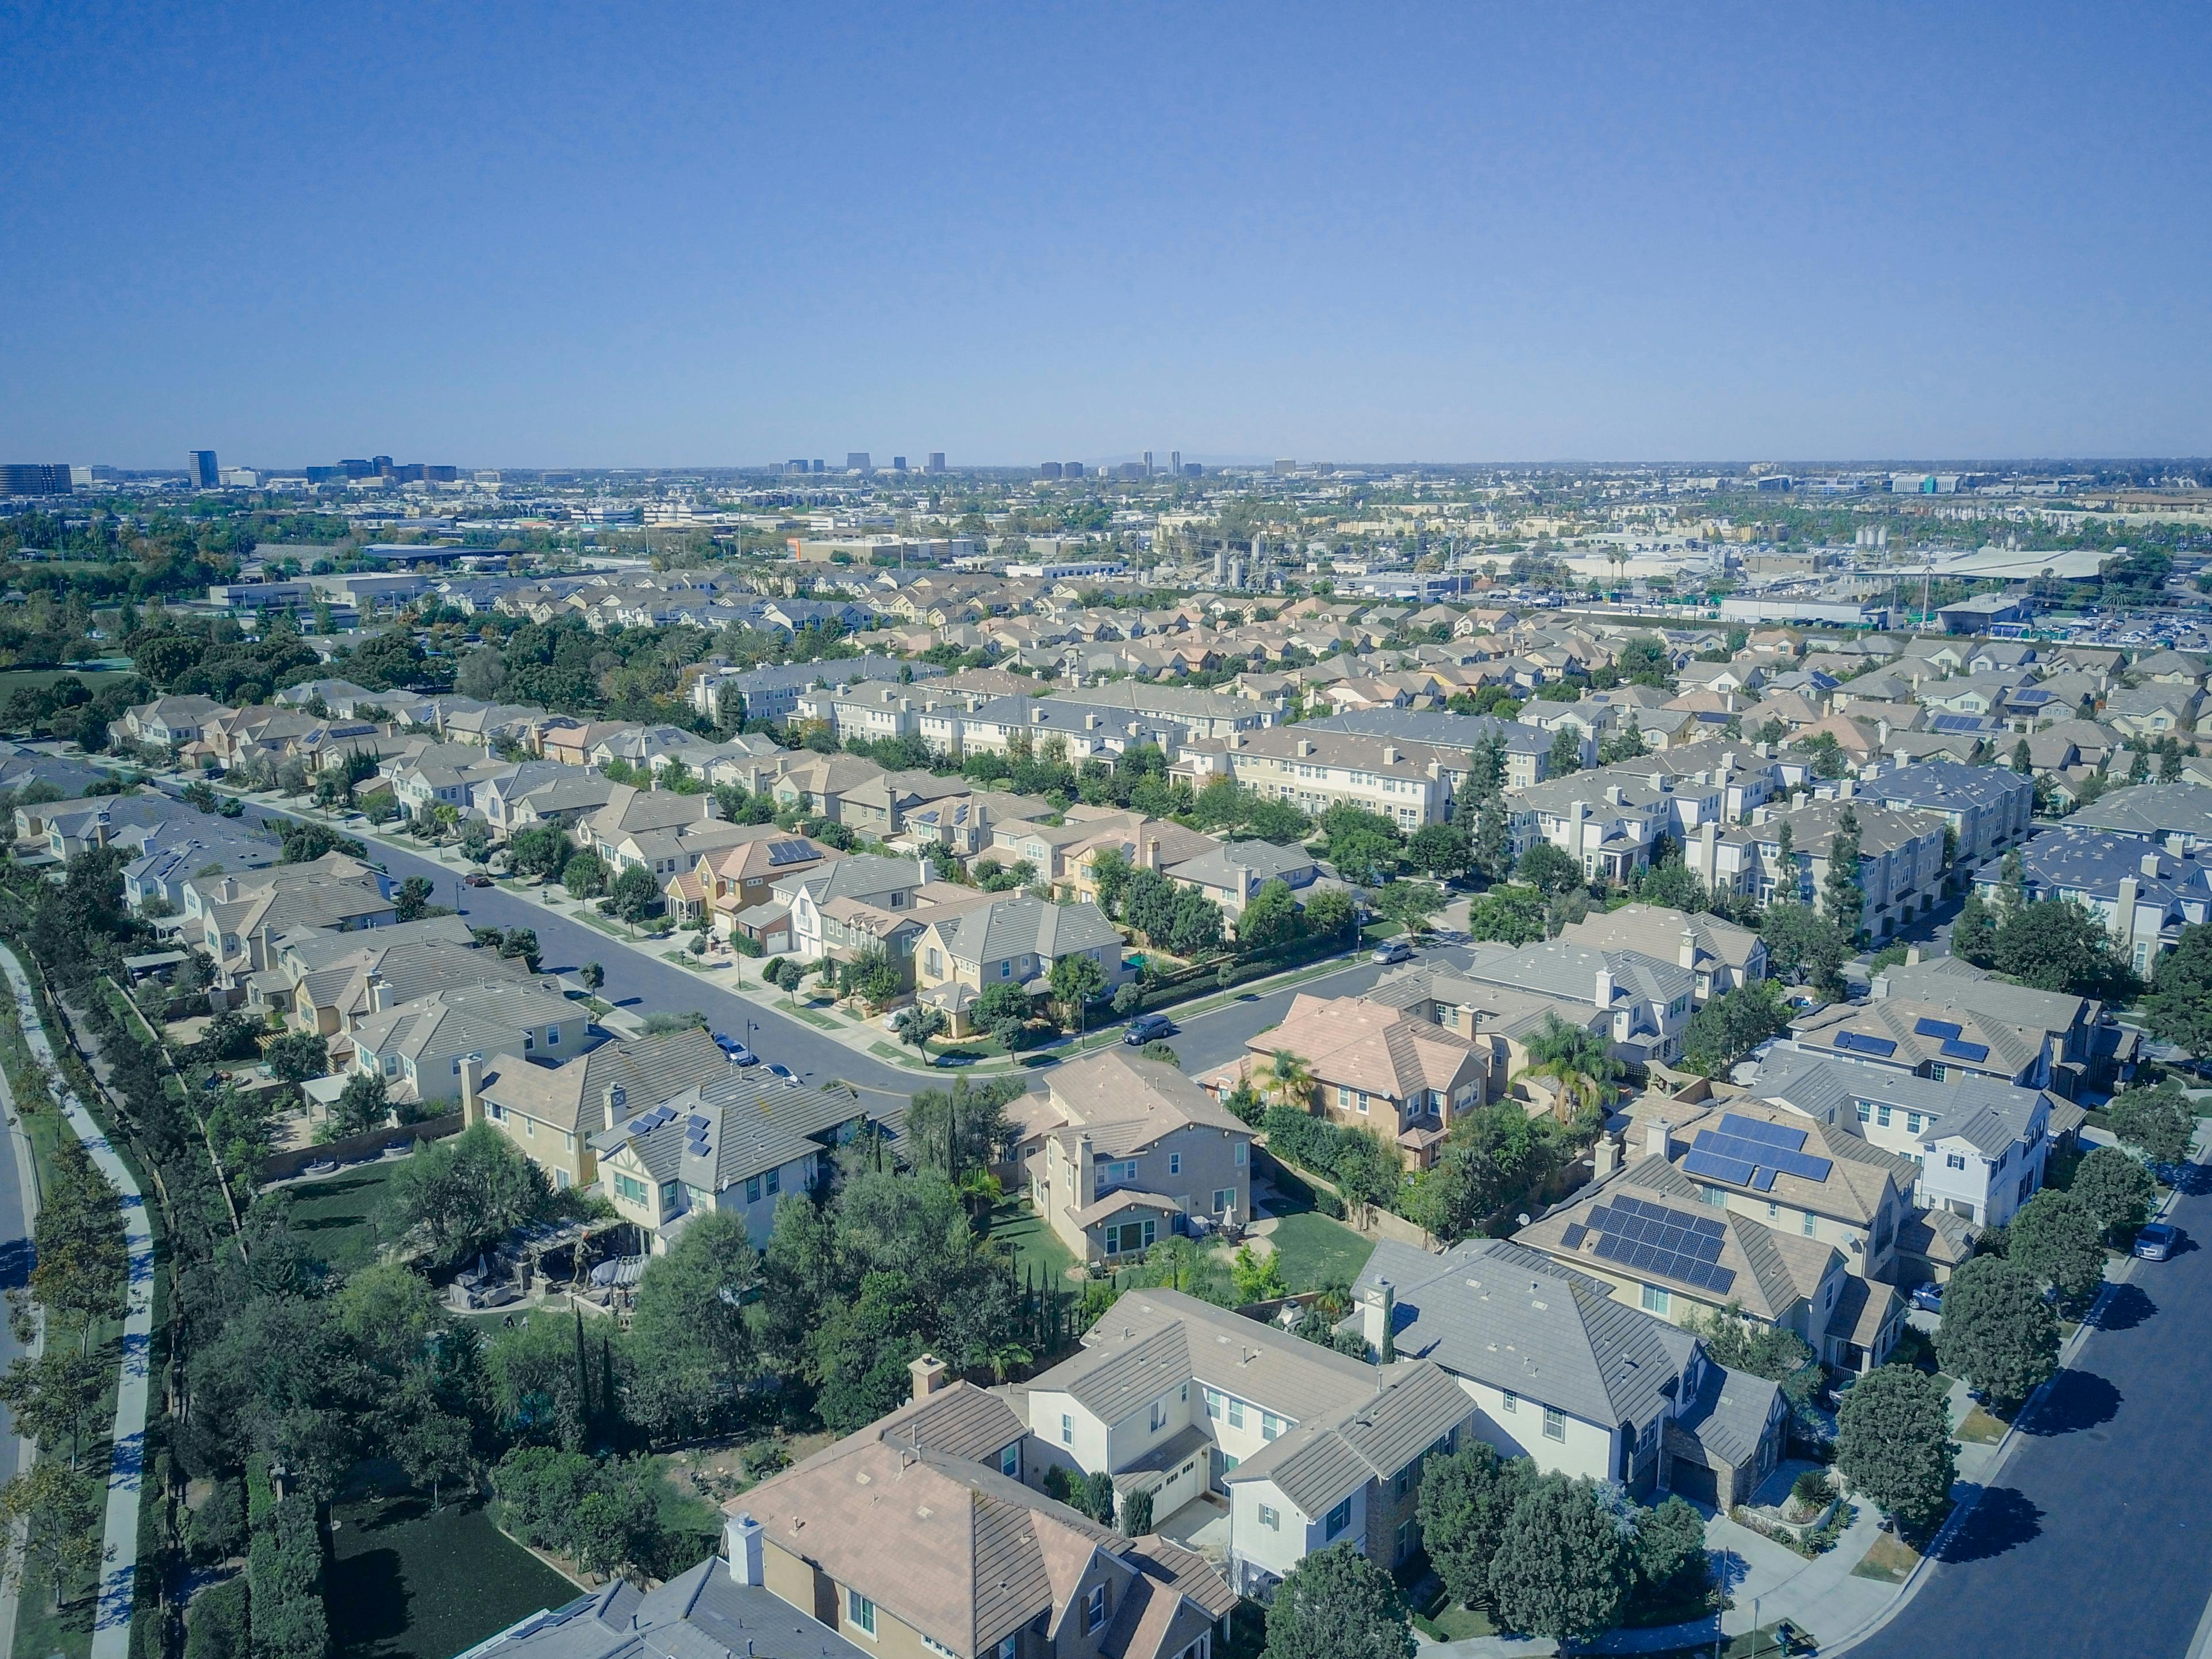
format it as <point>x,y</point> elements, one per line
<point>554,234</point>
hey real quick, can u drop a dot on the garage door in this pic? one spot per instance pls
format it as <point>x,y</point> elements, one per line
<point>1695,1482</point>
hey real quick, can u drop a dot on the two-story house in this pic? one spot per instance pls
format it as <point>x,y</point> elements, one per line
<point>1719,955</point>
<point>1122,1151</point>
<point>1565,1373</point>
<point>1304,1447</point>
<point>1649,1000</point>
<point>1016,942</point>
<point>418,1046</point>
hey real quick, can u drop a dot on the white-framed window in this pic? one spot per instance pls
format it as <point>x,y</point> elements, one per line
<point>1158,1418</point>
<point>1954,1161</point>
<point>1809,1224</point>
<point>1175,1163</point>
<point>859,1613</point>
<point>1657,1300</point>
<point>552,1036</point>
<point>1511,1401</point>
<point>1339,1519</point>
<point>1010,1461</point>
<point>1094,1608</point>
<point>1236,1413</point>
<point>1271,1426</point>
<point>1270,1517</point>
<point>1067,1429</point>
<point>1241,1150</point>
<point>1555,1424</point>
<point>1214,1404</point>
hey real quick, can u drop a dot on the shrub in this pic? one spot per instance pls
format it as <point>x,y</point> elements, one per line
<point>1810,1488</point>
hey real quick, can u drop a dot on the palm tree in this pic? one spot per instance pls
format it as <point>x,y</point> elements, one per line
<point>1576,1061</point>
<point>1286,1078</point>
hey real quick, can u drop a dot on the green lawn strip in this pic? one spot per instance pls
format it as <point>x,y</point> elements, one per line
<point>336,1216</point>
<point>1316,1251</point>
<point>1034,1245</point>
<point>1889,1559</point>
<point>1980,1427</point>
<point>813,1018</point>
<point>408,1582</point>
<point>1453,1624</point>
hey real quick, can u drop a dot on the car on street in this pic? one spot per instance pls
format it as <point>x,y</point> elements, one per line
<point>2155,1240</point>
<point>737,1051</point>
<point>1395,950</point>
<point>783,1072</point>
<point>1147,1027</point>
<point>478,879</point>
<point>1929,1298</point>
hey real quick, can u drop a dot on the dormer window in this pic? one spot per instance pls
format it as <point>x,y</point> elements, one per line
<point>1094,1609</point>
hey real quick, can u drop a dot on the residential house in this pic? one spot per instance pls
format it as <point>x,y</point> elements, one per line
<point>2178,816</point>
<point>806,890</point>
<point>1016,942</point>
<point>1499,1020</point>
<point>1316,770</point>
<point>1374,1067</point>
<point>1181,1399</point>
<point>418,1046</point>
<point>2090,1050</point>
<point>1648,998</point>
<point>2144,894</point>
<point>2153,711</point>
<point>1721,955</point>
<point>1565,1373</point>
<point>1452,740</point>
<point>323,983</point>
<point>165,722</point>
<point>737,1142</point>
<point>1122,1151</point>
<point>238,920</point>
<point>737,878</point>
<point>631,813</point>
<point>1989,808</point>
<point>551,1108</point>
<point>1231,874</point>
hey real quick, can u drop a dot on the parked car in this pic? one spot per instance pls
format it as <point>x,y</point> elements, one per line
<point>476,879</point>
<point>1395,950</point>
<point>737,1051</point>
<point>1147,1027</point>
<point>1928,1297</point>
<point>2155,1240</point>
<point>783,1072</point>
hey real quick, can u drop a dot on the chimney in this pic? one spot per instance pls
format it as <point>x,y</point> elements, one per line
<point>1601,997</point>
<point>1377,1304</point>
<point>613,1101</point>
<point>378,994</point>
<point>1148,853</point>
<point>929,1373</point>
<point>1912,956</point>
<point>1613,794</point>
<point>1389,753</point>
<point>1305,746</point>
<point>742,1534</point>
<point>1687,956</point>
<point>1243,885</point>
<point>1605,1158</point>
<point>472,1083</point>
<point>1658,1138</point>
<point>2150,867</point>
<point>226,889</point>
<point>1037,716</point>
<point>1847,787</point>
<point>1708,870</point>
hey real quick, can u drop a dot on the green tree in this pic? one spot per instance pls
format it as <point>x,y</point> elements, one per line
<point>1270,919</point>
<point>1510,914</point>
<point>1077,981</point>
<point>1490,852</point>
<point>1412,904</point>
<point>362,1105</point>
<point>1577,1061</point>
<point>1465,1502</point>
<point>1005,1009</point>
<point>637,895</point>
<point>1731,1025</point>
<point>1550,869</point>
<point>1669,1556</point>
<point>1363,846</point>
<point>2116,1191</point>
<point>461,1193</point>
<point>1330,913</point>
<point>2159,1122</point>
<point>2054,1236</point>
<point>297,1055</point>
<point>585,875</point>
<point>919,1026</point>
<point>412,898</point>
<point>1974,934</point>
<point>1337,1604</point>
<point>49,1528</point>
<point>1892,1443</point>
<point>1110,878</point>
<point>51,1398</point>
<point>1440,849</point>
<point>1806,947</point>
<point>2178,1006</point>
<point>1562,1566</point>
<point>691,1353</point>
<point>1566,754</point>
<point>1998,1333</point>
<point>2060,946</point>
<point>543,850</point>
<point>1843,896</point>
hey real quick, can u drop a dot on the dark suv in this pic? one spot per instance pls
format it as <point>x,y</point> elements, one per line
<point>1147,1027</point>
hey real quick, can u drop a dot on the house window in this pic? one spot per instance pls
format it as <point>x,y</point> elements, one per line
<point>1175,1163</point>
<point>1005,970</point>
<point>1094,1608</point>
<point>1158,1420</point>
<point>774,1179</point>
<point>1225,1199</point>
<point>1010,1461</point>
<point>1270,1426</point>
<point>1656,1300</point>
<point>1866,1111</point>
<point>1912,1123</point>
<point>1409,1539</point>
<point>1240,1154</point>
<point>1555,1424</point>
<point>1236,1413</point>
<point>1006,1649</point>
<point>752,1189</point>
<point>1809,1223</point>
<point>1511,1401</point>
<point>1067,1429</point>
<point>1882,1117</point>
<point>1339,1519</point>
<point>552,1036</point>
<point>859,1613</point>
<point>1271,1518</point>
<point>629,1188</point>
<point>529,1041</point>
<point>1954,1161</point>
<point>1343,1098</point>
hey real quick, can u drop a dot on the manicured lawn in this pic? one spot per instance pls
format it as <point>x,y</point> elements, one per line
<point>408,1582</point>
<point>1980,1427</point>
<point>1890,1559</point>
<point>1316,1251</point>
<point>1453,1624</point>
<point>337,1216</point>
<point>1034,1245</point>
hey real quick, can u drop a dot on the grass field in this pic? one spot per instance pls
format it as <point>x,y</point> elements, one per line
<point>337,1216</point>
<point>1034,1244</point>
<point>12,679</point>
<point>1316,1251</point>
<point>1888,1558</point>
<point>408,1582</point>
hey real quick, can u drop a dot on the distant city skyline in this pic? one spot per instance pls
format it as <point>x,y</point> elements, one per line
<point>675,239</point>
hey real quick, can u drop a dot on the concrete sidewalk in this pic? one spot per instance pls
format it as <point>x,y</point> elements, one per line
<point>111,1630</point>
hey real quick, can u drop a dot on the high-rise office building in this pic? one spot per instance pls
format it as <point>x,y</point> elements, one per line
<point>856,460</point>
<point>1148,463</point>
<point>898,463</point>
<point>1072,469</point>
<point>794,466</point>
<point>357,466</point>
<point>381,465</point>
<point>1175,462</point>
<point>35,478</point>
<point>936,460</point>
<point>200,469</point>
<point>820,466</point>
<point>1051,470</point>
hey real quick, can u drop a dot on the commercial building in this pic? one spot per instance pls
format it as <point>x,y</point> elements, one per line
<point>202,471</point>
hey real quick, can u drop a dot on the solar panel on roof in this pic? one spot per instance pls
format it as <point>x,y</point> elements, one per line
<point>1612,1247</point>
<point>1957,1050</point>
<point>1935,1028</point>
<point>1572,1238</point>
<point>1600,1218</point>
<point>1640,1260</point>
<point>789,852</point>
<point>1712,1166</point>
<point>1860,1042</point>
<point>1753,1129</point>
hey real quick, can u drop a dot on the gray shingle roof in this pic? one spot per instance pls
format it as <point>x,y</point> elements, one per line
<point>1827,1090</point>
<point>1318,1464</point>
<point>701,1614</point>
<point>751,1123</point>
<point>1026,927</point>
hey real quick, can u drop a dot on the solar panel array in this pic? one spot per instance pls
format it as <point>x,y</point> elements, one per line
<point>1748,1152</point>
<point>1954,1047</point>
<point>789,852</point>
<point>1955,723</point>
<point>695,1136</point>
<point>652,1120</point>
<point>1643,1237</point>
<point>1860,1042</point>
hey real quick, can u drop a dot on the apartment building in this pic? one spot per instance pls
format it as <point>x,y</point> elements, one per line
<point>1122,1151</point>
<point>1045,725</point>
<point>2144,893</point>
<point>1454,738</point>
<point>870,711</point>
<point>1316,770</point>
<point>1194,714</point>
<point>1990,809</point>
<point>1901,862</point>
<point>772,693</point>
<point>1309,1447</point>
<point>1563,1372</point>
<point>550,1111</point>
<point>1610,820</point>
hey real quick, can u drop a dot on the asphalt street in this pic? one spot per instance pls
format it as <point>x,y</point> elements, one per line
<point>2096,1538</point>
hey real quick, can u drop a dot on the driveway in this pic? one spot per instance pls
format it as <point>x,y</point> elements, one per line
<point>2096,1537</point>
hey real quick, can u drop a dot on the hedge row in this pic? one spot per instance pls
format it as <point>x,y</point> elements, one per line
<point>283,1572</point>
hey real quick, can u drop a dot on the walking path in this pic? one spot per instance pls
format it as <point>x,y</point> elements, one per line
<point>110,1629</point>
<point>27,1192</point>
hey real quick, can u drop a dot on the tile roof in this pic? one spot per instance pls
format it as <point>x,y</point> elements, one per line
<point>576,1096</point>
<point>701,1614</point>
<point>1125,1102</point>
